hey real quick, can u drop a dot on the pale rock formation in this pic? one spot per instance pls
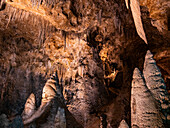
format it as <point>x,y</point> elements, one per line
<point>127,4</point>
<point>135,7</point>
<point>51,100</point>
<point>29,107</point>
<point>144,110</point>
<point>156,85</point>
<point>51,89</point>
<point>123,124</point>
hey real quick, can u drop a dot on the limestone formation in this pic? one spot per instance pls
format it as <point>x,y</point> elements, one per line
<point>156,85</point>
<point>30,107</point>
<point>144,109</point>
<point>60,119</point>
<point>135,7</point>
<point>127,3</point>
<point>92,45</point>
<point>123,124</point>
<point>51,94</point>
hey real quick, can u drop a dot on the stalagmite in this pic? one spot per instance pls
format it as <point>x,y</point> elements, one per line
<point>60,119</point>
<point>135,7</point>
<point>4,122</point>
<point>144,111</point>
<point>51,91</point>
<point>116,22</point>
<point>123,124</point>
<point>29,107</point>
<point>156,85</point>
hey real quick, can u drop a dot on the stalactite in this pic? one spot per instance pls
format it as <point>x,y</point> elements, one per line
<point>14,13</point>
<point>2,4</point>
<point>135,7</point>
<point>79,36</point>
<point>127,3</point>
<point>119,27</point>
<point>27,15</point>
<point>100,16</point>
<point>39,3</point>
<point>116,22</point>
<point>64,34</point>
<point>10,16</point>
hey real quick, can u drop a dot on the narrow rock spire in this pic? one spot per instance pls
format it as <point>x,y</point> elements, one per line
<point>144,110</point>
<point>60,120</point>
<point>156,85</point>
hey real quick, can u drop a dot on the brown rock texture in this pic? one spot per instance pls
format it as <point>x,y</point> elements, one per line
<point>93,47</point>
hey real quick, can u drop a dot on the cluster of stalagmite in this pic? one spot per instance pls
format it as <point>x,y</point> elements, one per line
<point>156,85</point>
<point>144,110</point>
<point>51,99</point>
<point>149,100</point>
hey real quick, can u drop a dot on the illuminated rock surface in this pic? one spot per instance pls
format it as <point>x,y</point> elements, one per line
<point>92,45</point>
<point>144,109</point>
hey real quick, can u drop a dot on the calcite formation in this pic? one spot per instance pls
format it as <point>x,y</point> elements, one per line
<point>156,85</point>
<point>75,59</point>
<point>144,109</point>
<point>123,124</point>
